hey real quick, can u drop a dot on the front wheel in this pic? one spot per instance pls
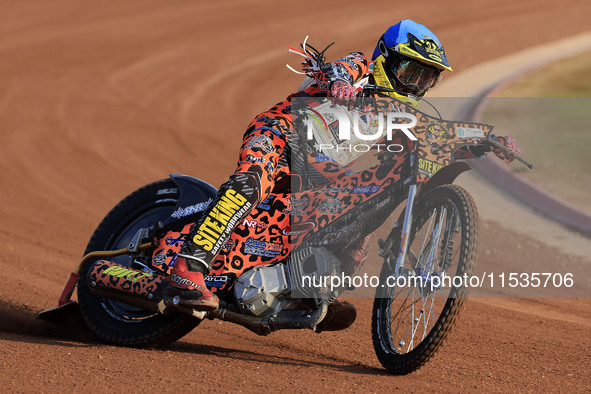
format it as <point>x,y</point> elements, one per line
<point>115,322</point>
<point>416,309</point>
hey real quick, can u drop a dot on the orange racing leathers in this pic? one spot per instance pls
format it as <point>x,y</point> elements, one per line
<point>247,224</point>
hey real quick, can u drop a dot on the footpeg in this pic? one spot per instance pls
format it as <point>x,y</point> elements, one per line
<point>172,305</point>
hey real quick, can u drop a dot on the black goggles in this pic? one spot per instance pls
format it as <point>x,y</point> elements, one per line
<point>414,75</point>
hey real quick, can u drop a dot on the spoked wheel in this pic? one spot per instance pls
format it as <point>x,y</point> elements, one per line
<point>116,322</point>
<point>416,309</point>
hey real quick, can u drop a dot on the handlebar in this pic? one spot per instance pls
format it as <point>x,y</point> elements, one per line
<point>491,141</point>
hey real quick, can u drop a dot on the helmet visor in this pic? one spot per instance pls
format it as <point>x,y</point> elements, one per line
<point>414,75</point>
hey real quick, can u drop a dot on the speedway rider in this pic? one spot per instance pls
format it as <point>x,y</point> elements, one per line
<point>408,60</point>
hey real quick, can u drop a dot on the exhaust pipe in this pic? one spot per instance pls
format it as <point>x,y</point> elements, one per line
<point>144,290</point>
<point>286,319</point>
<point>127,285</point>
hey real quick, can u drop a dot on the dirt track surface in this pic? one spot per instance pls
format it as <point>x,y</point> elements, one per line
<point>97,100</point>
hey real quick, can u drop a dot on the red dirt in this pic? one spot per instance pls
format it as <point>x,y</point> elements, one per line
<point>97,100</point>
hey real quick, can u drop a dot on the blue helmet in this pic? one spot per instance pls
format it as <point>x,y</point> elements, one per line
<point>408,58</point>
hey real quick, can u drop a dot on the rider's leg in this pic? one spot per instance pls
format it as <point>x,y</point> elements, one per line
<point>234,201</point>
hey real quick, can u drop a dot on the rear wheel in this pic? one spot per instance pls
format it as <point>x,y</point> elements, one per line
<point>116,322</point>
<point>413,316</point>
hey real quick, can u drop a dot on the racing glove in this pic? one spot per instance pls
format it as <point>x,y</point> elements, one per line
<point>342,89</point>
<point>510,143</point>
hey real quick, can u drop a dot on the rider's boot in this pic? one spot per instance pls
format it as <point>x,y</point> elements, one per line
<point>187,288</point>
<point>186,284</point>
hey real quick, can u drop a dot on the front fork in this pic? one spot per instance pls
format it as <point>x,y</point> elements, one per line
<point>406,228</point>
<point>405,237</point>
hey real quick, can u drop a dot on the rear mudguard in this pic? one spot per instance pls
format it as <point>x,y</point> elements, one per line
<point>191,191</point>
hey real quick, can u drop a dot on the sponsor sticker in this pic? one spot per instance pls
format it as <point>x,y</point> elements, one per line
<point>428,167</point>
<point>261,142</point>
<point>254,224</point>
<point>330,205</point>
<point>299,228</point>
<point>262,248</point>
<point>179,280</point>
<point>215,280</point>
<point>221,219</point>
<point>181,212</point>
<point>229,245</point>
<point>437,135</point>
<point>366,189</point>
<point>158,259</point>
<point>121,272</point>
<point>333,190</point>
<point>174,241</point>
<point>298,205</point>
<point>321,157</point>
<point>469,132</point>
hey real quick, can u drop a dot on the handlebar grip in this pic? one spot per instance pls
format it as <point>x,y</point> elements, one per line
<point>494,142</point>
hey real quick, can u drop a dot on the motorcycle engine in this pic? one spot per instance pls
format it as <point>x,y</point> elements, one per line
<point>311,270</point>
<point>266,289</point>
<point>261,290</point>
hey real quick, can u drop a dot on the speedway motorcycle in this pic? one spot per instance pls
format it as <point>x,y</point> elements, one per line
<point>125,266</point>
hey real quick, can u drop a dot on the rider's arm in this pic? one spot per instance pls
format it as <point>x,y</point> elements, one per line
<point>480,150</point>
<point>350,69</point>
